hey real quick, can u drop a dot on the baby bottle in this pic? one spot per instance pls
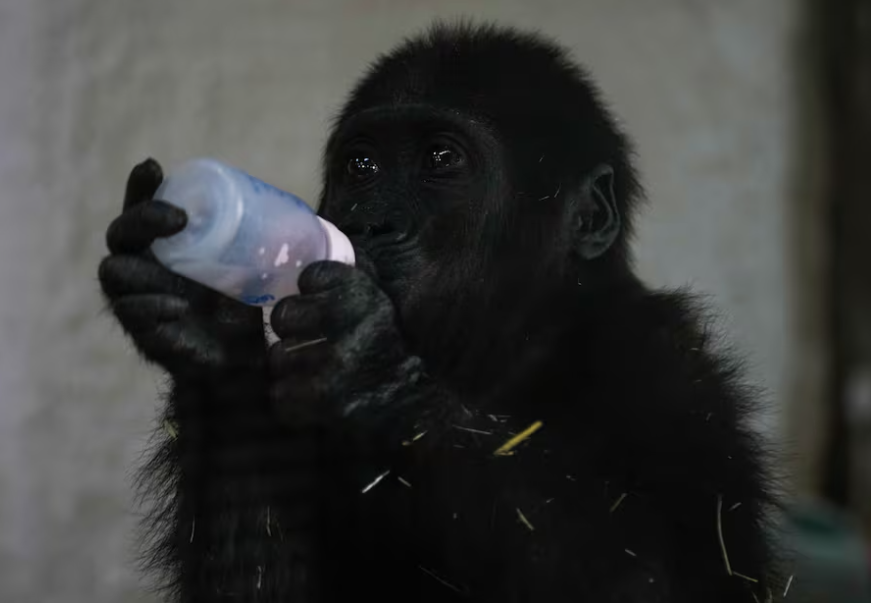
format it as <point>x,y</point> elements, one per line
<point>244,237</point>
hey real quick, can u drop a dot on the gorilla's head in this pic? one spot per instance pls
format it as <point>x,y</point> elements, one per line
<point>478,170</point>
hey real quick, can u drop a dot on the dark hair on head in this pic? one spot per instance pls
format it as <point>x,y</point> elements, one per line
<point>554,107</point>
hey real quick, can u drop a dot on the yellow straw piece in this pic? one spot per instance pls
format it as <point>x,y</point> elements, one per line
<point>414,439</point>
<point>171,429</point>
<point>618,502</point>
<point>524,520</point>
<point>743,577</point>
<point>505,449</point>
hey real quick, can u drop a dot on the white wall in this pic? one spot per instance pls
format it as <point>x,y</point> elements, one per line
<point>89,87</point>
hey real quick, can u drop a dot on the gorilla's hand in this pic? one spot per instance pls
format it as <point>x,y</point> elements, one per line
<point>341,354</point>
<point>174,322</point>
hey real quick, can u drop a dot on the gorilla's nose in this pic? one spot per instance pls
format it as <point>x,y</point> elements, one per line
<point>371,232</point>
<point>386,231</point>
<point>383,230</point>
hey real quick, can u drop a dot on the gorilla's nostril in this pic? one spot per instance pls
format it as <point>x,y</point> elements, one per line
<point>382,229</point>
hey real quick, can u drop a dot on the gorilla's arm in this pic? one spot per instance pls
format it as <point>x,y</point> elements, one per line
<point>342,363</point>
<point>231,491</point>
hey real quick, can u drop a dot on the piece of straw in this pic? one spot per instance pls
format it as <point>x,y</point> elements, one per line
<point>524,520</point>
<point>720,534</point>
<point>434,576</point>
<point>375,482</point>
<point>618,502</point>
<point>171,429</point>
<point>788,584</point>
<point>305,344</point>
<point>506,448</point>
<point>414,439</point>
<point>470,430</point>
<point>743,577</point>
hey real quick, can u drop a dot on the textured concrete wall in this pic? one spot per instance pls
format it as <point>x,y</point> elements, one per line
<point>88,87</point>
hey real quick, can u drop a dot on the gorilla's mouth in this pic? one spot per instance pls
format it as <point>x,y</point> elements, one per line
<point>390,257</point>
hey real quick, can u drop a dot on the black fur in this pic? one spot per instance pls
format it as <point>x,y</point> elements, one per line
<point>490,197</point>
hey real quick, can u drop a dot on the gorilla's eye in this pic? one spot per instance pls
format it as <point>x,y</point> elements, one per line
<point>362,167</point>
<point>444,156</point>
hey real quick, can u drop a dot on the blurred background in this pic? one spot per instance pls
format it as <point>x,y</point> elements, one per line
<point>753,126</point>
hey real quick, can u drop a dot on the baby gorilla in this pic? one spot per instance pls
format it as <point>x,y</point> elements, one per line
<point>490,407</point>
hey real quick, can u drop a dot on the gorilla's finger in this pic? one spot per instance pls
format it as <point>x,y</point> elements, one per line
<point>322,276</point>
<point>138,313</point>
<point>344,294</point>
<point>130,275</point>
<point>135,230</point>
<point>142,183</point>
<point>298,318</point>
<point>176,344</point>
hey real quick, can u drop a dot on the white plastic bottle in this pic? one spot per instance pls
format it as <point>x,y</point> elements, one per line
<point>244,238</point>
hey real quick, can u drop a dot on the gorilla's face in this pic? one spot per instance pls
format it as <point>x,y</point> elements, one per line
<point>461,224</point>
<point>420,192</point>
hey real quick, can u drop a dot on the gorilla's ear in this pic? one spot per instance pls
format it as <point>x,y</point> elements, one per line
<point>597,218</point>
